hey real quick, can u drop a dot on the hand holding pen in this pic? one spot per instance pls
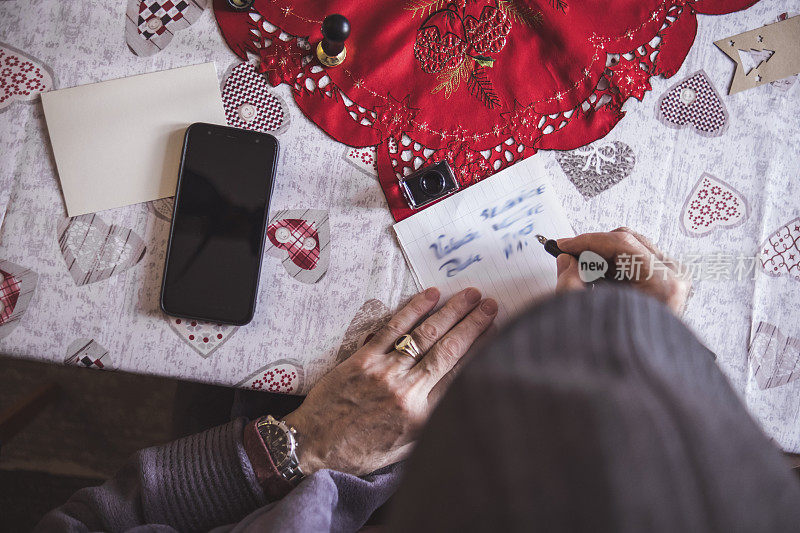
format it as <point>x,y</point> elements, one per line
<point>657,275</point>
<point>551,246</point>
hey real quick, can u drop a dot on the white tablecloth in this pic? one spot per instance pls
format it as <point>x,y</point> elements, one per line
<point>301,329</point>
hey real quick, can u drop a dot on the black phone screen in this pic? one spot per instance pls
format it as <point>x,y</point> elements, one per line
<point>217,237</point>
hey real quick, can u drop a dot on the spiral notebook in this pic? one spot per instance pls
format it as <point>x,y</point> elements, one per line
<point>485,237</point>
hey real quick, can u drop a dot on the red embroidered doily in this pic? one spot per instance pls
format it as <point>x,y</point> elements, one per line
<point>479,83</point>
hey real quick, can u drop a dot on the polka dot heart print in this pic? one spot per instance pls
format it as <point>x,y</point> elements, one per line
<point>203,337</point>
<point>22,78</point>
<point>712,204</point>
<point>285,376</point>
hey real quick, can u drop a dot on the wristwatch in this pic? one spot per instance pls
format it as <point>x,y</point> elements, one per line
<point>281,443</point>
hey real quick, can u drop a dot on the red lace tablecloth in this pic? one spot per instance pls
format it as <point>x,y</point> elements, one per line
<point>478,83</point>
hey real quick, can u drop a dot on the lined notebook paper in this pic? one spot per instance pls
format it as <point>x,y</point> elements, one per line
<point>485,237</point>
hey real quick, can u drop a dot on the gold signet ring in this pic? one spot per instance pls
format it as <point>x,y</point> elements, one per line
<point>406,345</point>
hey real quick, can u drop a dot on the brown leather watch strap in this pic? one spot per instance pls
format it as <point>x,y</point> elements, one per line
<point>275,486</point>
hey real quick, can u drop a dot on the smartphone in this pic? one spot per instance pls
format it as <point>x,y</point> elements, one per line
<point>218,225</point>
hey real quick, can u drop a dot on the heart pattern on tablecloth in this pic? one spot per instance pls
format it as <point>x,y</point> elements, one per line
<point>17,284</point>
<point>774,357</point>
<point>712,204</point>
<point>150,24</point>
<point>162,208</point>
<point>364,159</point>
<point>88,353</point>
<point>22,78</point>
<point>204,337</point>
<point>780,253</point>
<point>694,103</point>
<point>371,316</point>
<point>95,251</point>
<point>284,376</point>
<point>250,105</point>
<point>301,239</point>
<point>595,167</point>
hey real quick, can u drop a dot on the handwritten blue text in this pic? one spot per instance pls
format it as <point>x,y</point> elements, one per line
<point>443,248</point>
<point>498,210</point>
<point>455,265</point>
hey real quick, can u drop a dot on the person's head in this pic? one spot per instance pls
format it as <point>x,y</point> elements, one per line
<point>595,411</point>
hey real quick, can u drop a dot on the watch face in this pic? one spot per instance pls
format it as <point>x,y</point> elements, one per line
<point>277,443</point>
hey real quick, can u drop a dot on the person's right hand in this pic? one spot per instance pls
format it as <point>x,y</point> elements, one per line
<point>659,276</point>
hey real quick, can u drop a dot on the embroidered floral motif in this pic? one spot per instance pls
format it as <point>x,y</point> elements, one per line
<point>396,116</point>
<point>570,109</point>
<point>468,165</point>
<point>283,63</point>
<point>523,122</point>
<point>487,34</point>
<point>436,52</point>
<point>455,44</point>
<point>631,79</point>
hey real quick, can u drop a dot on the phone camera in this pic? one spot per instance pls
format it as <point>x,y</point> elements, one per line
<point>428,184</point>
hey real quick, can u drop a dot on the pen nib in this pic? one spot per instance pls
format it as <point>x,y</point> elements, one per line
<point>541,239</point>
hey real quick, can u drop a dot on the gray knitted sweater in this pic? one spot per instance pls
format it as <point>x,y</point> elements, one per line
<point>203,481</point>
<point>595,411</point>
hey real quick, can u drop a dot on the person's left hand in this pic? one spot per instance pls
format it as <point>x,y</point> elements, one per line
<point>365,413</point>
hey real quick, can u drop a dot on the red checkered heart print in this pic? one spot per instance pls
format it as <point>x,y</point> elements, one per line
<point>151,24</point>
<point>249,104</point>
<point>155,15</point>
<point>694,103</point>
<point>301,238</point>
<point>17,284</point>
<point>298,238</point>
<point>9,292</point>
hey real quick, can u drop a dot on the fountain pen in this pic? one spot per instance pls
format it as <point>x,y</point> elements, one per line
<point>551,246</point>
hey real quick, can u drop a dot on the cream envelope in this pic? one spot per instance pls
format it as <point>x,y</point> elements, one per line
<point>119,142</point>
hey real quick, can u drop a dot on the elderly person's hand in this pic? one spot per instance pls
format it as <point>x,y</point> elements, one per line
<point>365,413</point>
<point>658,275</point>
